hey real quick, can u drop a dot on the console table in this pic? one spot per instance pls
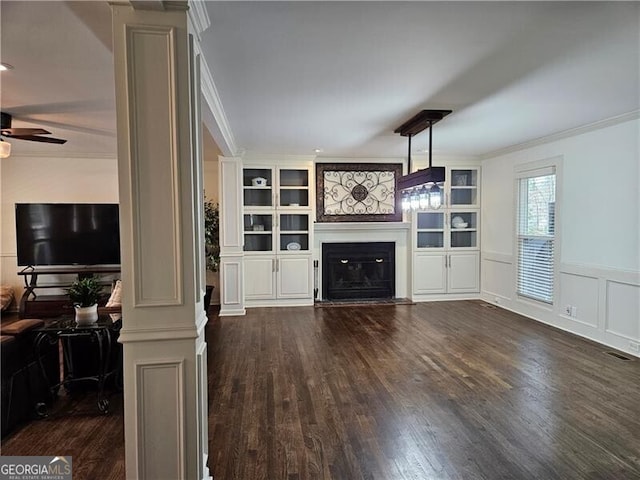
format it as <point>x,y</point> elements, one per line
<point>34,305</point>
<point>103,333</point>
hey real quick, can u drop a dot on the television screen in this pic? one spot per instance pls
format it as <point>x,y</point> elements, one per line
<point>67,234</point>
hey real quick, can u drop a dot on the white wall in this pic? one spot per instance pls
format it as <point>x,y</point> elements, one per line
<point>69,180</point>
<point>210,180</point>
<point>48,180</point>
<point>599,233</point>
<point>210,155</point>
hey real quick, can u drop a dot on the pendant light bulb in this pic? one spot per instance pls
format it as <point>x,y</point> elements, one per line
<point>406,202</point>
<point>435,196</point>
<point>415,199</point>
<point>424,198</point>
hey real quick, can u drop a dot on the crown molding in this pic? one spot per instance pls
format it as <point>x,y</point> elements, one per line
<point>84,155</point>
<point>217,124</point>
<point>198,16</point>
<point>572,132</point>
<point>256,157</point>
<point>155,5</point>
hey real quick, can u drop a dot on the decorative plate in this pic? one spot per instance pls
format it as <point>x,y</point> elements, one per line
<point>293,246</point>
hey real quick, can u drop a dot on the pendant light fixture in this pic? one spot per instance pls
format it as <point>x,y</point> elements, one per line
<point>420,189</point>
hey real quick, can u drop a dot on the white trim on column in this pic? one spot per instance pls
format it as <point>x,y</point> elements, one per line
<point>157,5</point>
<point>146,387</point>
<point>203,409</point>
<point>142,158</point>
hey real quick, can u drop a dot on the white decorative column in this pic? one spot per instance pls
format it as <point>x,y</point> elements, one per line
<point>231,239</point>
<point>159,170</point>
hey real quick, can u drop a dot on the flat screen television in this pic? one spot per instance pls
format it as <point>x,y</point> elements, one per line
<point>67,234</point>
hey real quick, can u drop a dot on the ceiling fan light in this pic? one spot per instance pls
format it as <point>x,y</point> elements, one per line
<point>5,149</point>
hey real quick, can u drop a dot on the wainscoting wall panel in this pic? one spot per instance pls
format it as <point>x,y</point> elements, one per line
<point>606,301</point>
<point>623,310</point>
<point>581,293</point>
<point>232,295</point>
<point>495,275</point>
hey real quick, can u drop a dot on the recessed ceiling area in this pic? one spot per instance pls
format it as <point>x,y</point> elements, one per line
<point>295,77</point>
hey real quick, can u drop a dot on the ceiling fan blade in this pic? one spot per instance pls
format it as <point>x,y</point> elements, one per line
<point>35,138</point>
<point>24,131</point>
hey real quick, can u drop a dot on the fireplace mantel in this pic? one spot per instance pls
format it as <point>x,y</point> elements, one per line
<point>397,232</point>
<point>358,226</point>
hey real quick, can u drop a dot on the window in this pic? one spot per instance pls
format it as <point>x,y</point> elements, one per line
<point>536,234</point>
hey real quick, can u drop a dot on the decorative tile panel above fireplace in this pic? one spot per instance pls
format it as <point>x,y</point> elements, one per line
<point>357,192</point>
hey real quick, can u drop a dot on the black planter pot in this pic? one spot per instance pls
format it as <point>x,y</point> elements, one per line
<point>207,297</point>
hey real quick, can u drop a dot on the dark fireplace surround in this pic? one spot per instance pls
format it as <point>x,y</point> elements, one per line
<point>358,270</point>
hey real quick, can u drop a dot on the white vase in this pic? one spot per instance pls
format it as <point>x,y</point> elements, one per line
<point>86,315</point>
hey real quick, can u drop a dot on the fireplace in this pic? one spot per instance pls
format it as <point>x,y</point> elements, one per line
<point>358,270</point>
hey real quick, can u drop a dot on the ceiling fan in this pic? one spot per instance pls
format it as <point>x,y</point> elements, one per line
<point>31,134</point>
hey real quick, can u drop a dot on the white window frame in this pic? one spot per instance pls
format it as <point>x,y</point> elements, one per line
<point>528,170</point>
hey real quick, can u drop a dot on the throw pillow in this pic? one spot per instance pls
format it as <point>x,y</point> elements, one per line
<point>115,300</point>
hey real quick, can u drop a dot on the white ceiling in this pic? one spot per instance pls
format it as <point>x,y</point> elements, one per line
<point>63,77</point>
<point>341,76</point>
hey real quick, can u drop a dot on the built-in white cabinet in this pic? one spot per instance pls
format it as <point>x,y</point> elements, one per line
<point>429,273</point>
<point>440,273</point>
<point>270,277</point>
<point>446,249</point>
<point>277,231</point>
<point>463,272</point>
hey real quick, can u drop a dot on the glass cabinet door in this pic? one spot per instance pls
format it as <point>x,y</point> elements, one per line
<point>464,229</point>
<point>294,232</point>
<point>258,232</point>
<point>294,188</point>
<point>257,187</point>
<point>430,230</point>
<point>464,187</point>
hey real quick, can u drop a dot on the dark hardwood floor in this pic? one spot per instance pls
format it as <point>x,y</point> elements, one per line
<point>445,390</point>
<point>75,428</point>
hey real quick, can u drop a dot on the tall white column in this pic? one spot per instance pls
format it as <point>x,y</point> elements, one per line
<point>159,170</point>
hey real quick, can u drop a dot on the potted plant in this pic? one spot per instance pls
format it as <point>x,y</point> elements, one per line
<point>211,243</point>
<point>84,294</point>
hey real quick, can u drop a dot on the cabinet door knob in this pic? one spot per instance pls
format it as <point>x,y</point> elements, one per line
<point>344,261</point>
<point>379,260</point>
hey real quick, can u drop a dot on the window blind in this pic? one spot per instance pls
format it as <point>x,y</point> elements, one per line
<point>536,235</point>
